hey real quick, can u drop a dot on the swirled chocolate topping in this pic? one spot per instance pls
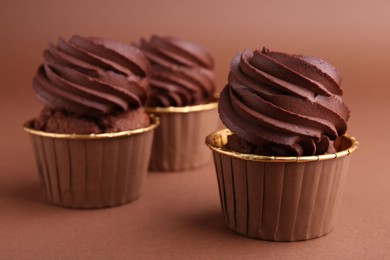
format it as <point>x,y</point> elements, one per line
<point>92,77</point>
<point>286,105</point>
<point>182,72</point>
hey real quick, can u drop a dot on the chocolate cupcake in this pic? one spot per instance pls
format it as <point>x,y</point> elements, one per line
<point>183,97</point>
<point>92,140</point>
<point>282,164</point>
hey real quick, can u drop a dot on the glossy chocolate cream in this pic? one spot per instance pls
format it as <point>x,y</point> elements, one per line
<point>182,72</point>
<point>281,104</point>
<point>89,81</point>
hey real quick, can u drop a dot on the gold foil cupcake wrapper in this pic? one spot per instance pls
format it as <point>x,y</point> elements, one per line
<point>155,121</point>
<point>92,171</point>
<point>279,200</point>
<point>217,140</point>
<point>185,109</point>
<point>178,142</point>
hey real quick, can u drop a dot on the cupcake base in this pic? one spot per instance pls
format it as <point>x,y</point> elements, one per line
<point>280,198</point>
<point>178,142</point>
<point>92,171</point>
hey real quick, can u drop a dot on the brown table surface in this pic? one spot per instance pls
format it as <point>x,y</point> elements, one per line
<point>178,215</point>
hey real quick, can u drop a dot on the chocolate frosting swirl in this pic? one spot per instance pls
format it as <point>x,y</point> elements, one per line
<point>285,104</point>
<point>92,76</point>
<point>182,72</point>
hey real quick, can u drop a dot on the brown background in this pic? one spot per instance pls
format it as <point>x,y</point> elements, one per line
<point>179,215</point>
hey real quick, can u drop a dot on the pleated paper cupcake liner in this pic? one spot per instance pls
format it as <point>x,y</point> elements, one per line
<point>280,198</point>
<point>92,171</point>
<point>179,140</point>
